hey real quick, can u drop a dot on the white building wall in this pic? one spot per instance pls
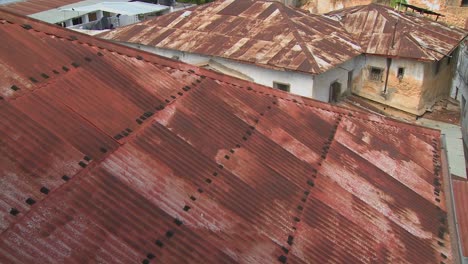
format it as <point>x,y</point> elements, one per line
<point>300,83</point>
<point>460,83</point>
<point>337,74</point>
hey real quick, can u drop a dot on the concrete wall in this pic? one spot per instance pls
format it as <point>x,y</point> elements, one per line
<point>403,94</point>
<point>338,74</point>
<point>461,82</point>
<point>317,87</point>
<point>300,83</point>
<point>437,86</point>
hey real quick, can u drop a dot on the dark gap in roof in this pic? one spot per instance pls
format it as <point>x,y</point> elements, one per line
<point>177,222</point>
<point>193,198</point>
<point>300,208</point>
<point>443,255</point>
<point>139,121</point>
<point>73,38</point>
<point>159,243</point>
<point>14,211</point>
<point>75,64</point>
<point>215,174</point>
<point>14,88</point>
<point>226,157</point>
<point>88,59</point>
<point>128,130</point>
<point>296,219</point>
<point>148,114</point>
<point>103,150</point>
<point>310,182</point>
<point>150,256</point>
<point>125,133</point>
<point>282,259</point>
<point>32,79</point>
<point>186,208</point>
<point>118,137</point>
<point>55,71</point>
<point>290,240</point>
<point>173,97</point>
<point>285,250</point>
<point>167,101</point>
<point>45,76</point>
<point>65,178</point>
<point>44,190</point>
<point>232,151</point>
<point>208,180</point>
<point>139,57</point>
<point>220,166</point>
<point>65,69</point>
<point>145,261</point>
<point>170,233</point>
<point>87,158</point>
<point>142,117</point>
<point>200,190</point>
<point>30,201</point>
<point>82,164</point>
<point>440,243</point>
<point>26,26</point>
<point>180,93</point>
<point>100,54</point>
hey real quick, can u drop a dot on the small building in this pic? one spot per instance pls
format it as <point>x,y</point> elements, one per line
<point>408,62</point>
<point>261,41</point>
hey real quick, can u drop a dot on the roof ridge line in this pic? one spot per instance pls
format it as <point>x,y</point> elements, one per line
<point>298,37</point>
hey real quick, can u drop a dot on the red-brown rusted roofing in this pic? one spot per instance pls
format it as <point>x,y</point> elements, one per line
<point>267,34</point>
<point>30,7</point>
<point>460,191</point>
<point>381,30</point>
<point>113,155</point>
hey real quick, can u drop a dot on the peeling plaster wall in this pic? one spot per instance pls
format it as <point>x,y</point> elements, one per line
<point>404,94</point>
<point>437,86</point>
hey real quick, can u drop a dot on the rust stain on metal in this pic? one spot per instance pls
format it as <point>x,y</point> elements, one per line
<point>267,34</point>
<point>121,156</point>
<point>381,30</point>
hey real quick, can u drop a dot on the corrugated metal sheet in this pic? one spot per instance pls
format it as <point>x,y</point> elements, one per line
<point>267,34</point>
<point>460,191</point>
<point>30,7</point>
<point>381,30</point>
<point>120,156</point>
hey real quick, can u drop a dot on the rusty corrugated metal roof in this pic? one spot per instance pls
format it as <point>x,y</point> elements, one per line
<point>460,192</point>
<point>381,30</point>
<point>114,155</point>
<point>267,34</point>
<point>30,7</point>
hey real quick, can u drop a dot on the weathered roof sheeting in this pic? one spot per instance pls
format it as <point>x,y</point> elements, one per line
<point>109,154</point>
<point>30,7</point>
<point>267,34</point>
<point>460,191</point>
<point>381,30</point>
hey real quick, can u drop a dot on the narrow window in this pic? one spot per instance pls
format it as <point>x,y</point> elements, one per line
<point>77,21</point>
<point>437,67</point>
<point>401,73</point>
<point>376,74</point>
<point>281,86</point>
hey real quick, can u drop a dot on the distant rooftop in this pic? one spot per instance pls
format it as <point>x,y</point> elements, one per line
<point>265,33</point>
<point>381,30</point>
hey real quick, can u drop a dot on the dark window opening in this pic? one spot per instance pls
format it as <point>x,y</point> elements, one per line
<point>464,3</point>
<point>92,17</point>
<point>401,73</point>
<point>437,67</point>
<point>106,14</point>
<point>77,21</point>
<point>335,92</point>
<point>61,24</point>
<point>281,86</point>
<point>376,74</point>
